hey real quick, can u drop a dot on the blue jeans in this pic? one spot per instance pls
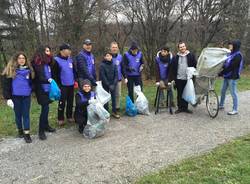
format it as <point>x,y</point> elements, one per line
<point>232,84</point>
<point>22,111</point>
<point>43,121</point>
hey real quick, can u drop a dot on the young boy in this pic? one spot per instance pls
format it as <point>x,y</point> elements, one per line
<point>65,77</point>
<point>83,98</point>
<point>109,77</point>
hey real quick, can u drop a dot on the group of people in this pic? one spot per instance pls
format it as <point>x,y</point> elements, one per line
<point>22,76</point>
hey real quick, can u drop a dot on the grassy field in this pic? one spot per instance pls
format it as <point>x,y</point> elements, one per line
<point>7,121</point>
<point>227,164</point>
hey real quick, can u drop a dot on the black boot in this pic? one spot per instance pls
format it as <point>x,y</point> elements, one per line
<point>42,135</point>
<point>27,138</point>
<point>80,129</point>
<point>20,133</point>
<point>50,129</point>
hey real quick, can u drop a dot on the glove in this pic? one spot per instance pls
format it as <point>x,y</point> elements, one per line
<point>111,87</point>
<point>50,80</point>
<point>157,83</point>
<point>126,80</point>
<point>10,103</point>
<point>141,68</point>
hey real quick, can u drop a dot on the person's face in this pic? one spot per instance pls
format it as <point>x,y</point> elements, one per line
<point>230,47</point>
<point>134,52</point>
<point>164,52</point>
<point>65,52</point>
<point>47,51</point>
<point>86,88</point>
<point>182,47</point>
<point>87,47</point>
<point>108,57</point>
<point>114,48</point>
<point>21,60</point>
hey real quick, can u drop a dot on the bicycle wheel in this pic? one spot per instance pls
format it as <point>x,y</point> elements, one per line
<point>212,103</point>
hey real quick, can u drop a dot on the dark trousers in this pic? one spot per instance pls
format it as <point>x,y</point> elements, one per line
<point>22,111</point>
<point>180,85</point>
<point>43,120</point>
<point>133,81</point>
<point>113,98</point>
<point>67,96</point>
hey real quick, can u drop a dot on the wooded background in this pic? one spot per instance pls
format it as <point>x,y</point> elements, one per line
<point>25,24</point>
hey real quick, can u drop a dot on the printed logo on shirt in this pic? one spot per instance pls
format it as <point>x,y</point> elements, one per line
<point>70,65</point>
<point>137,60</point>
<point>27,76</point>
<point>165,65</point>
<point>117,62</point>
<point>49,69</point>
<point>93,61</point>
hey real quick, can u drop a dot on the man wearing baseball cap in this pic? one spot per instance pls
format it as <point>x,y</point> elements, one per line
<point>85,63</point>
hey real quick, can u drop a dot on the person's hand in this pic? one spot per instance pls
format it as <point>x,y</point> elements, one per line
<point>157,83</point>
<point>112,87</point>
<point>141,68</point>
<point>10,103</point>
<point>50,80</point>
<point>126,80</point>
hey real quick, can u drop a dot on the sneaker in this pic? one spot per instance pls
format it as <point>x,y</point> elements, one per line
<point>20,133</point>
<point>42,135</point>
<point>50,129</point>
<point>221,107</point>
<point>61,122</point>
<point>27,138</point>
<point>188,111</point>
<point>71,120</point>
<point>115,115</point>
<point>232,112</point>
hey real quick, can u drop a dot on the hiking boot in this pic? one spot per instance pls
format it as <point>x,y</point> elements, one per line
<point>20,133</point>
<point>50,129</point>
<point>188,111</point>
<point>61,122</point>
<point>232,112</point>
<point>115,115</point>
<point>42,135</point>
<point>27,138</point>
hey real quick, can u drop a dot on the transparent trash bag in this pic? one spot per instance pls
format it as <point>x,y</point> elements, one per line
<point>97,119</point>
<point>101,95</point>
<point>130,107</point>
<point>54,92</point>
<point>189,92</point>
<point>141,102</point>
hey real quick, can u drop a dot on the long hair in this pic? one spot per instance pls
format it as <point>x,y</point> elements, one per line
<point>10,69</point>
<point>40,57</point>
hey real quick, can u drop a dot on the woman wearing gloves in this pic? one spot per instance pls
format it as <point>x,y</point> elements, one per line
<point>109,77</point>
<point>42,62</point>
<point>17,89</point>
<point>83,98</point>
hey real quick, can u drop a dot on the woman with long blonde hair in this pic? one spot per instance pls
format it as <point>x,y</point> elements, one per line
<point>17,88</point>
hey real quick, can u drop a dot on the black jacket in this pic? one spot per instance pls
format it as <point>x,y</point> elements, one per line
<point>191,61</point>
<point>108,74</point>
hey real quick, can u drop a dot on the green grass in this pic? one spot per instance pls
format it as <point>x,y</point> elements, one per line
<point>7,121</point>
<point>227,164</point>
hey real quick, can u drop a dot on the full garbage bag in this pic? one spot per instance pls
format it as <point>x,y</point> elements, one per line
<point>189,91</point>
<point>130,107</point>
<point>141,102</point>
<point>54,92</point>
<point>97,119</point>
<point>101,95</point>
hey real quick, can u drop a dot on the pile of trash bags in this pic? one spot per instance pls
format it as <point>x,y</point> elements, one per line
<point>54,92</point>
<point>141,102</point>
<point>98,116</point>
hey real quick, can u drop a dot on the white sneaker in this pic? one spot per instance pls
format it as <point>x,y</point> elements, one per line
<point>232,112</point>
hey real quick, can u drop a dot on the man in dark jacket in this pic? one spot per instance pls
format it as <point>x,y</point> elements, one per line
<point>178,73</point>
<point>133,63</point>
<point>85,63</point>
<point>231,73</point>
<point>109,78</point>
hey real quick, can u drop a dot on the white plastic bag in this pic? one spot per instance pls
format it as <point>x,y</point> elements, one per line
<point>101,95</point>
<point>97,119</point>
<point>141,102</point>
<point>189,92</point>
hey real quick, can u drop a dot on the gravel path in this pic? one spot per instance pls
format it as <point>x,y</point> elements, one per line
<point>130,148</point>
